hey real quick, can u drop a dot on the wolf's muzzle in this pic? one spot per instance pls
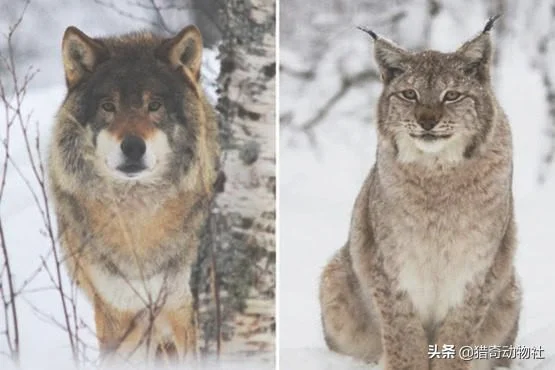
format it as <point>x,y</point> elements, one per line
<point>133,148</point>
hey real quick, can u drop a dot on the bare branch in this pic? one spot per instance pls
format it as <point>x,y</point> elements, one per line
<point>159,18</point>
<point>9,299</point>
<point>347,83</point>
<point>111,5</point>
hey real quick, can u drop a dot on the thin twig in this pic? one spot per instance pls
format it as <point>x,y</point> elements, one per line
<point>347,84</point>
<point>11,292</point>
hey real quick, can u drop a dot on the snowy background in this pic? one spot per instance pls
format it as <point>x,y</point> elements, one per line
<point>327,145</point>
<point>44,342</point>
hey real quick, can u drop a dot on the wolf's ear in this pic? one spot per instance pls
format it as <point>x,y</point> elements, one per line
<point>387,55</point>
<point>81,54</point>
<point>183,50</point>
<point>478,52</point>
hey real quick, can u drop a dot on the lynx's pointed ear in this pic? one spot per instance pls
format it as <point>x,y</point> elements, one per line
<point>478,52</point>
<point>81,54</point>
<point>183,50</point>
<point>387,55</point>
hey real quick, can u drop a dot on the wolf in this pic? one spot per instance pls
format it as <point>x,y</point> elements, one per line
<point>132,163</point>
<point>429,260</point>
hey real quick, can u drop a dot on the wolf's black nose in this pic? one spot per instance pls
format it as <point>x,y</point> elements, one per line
<point>133,147</point>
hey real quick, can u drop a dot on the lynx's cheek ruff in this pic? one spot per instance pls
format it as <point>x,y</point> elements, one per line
<point>444,149</point>
<point>429,143</point>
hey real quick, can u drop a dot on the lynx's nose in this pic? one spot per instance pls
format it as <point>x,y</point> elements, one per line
<point>133,147</point>
<point>428,124</point>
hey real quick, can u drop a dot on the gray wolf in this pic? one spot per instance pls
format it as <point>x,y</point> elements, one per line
<point>131,167</point>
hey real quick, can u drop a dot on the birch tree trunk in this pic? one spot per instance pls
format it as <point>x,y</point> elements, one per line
<point>236,270</point>
<point>546,53</point>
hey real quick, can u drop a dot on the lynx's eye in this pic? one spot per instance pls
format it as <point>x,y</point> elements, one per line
<point>108,107</point>
<point>451,96</point>
<point>154,106</point>
<point>409,94</point>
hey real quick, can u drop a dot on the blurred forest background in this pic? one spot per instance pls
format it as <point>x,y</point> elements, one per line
<point>38,41</point>
<point>321,47</point>
<point>46,323</point>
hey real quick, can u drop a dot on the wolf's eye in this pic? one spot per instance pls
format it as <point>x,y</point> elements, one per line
<point>409,94</point>
<point>451,96</point>
<point>109,107</point>
<point>154,106</point>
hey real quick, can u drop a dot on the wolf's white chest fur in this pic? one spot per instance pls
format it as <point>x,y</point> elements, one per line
<point>435,270</point>
<point>136,294</point>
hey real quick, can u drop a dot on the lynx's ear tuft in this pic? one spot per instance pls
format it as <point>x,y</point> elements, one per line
<point>478,52</point>
<point>491,21</point>
<point>81,54</point>
<point>183,50</point>
<point>368,31</point>
<point>387,55</point>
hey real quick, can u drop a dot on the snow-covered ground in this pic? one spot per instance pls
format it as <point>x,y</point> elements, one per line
<point>318,186</point>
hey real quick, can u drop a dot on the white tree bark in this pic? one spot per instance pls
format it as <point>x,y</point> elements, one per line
<point>241,235</point>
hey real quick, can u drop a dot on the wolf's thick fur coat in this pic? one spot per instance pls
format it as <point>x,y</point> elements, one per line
<point>129,225</point>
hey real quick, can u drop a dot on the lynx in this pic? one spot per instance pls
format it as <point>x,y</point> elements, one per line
<point>429,258</point>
